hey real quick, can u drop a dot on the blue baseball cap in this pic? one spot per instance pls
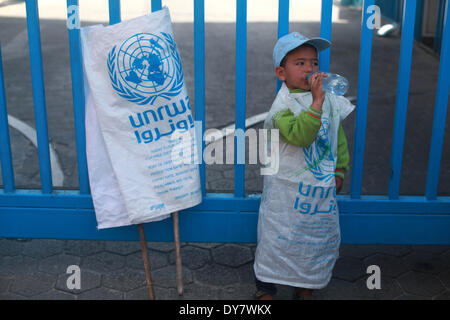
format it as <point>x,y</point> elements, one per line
<point>293,40</point>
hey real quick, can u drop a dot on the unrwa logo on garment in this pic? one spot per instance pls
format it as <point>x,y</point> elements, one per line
<point>319,156</point>
<point>146,67</point>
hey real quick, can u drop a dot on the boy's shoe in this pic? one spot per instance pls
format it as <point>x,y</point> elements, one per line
<point>261,295</point>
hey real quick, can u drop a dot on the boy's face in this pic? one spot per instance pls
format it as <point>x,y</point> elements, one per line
<point>299,63</point>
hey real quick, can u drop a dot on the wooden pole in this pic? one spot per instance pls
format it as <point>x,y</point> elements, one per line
<point>148,273</point>
<point>176,237</point>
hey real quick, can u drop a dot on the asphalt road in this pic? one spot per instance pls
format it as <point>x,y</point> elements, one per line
<point>220,88</point>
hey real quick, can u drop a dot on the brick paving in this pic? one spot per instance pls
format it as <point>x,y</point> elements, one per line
<point>34,269</point>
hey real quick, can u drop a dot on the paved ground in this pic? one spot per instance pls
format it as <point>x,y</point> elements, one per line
<point>36,269</point>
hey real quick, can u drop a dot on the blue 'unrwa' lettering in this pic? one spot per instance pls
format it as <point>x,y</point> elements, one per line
<point>143,118</point>
<point>313,194</point>
<point>305,207</point>
<point>154,134</point>
<point>157,206</point>
<point>301,205</point>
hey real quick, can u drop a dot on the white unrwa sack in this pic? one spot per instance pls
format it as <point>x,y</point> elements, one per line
<point>140,142</point>
<point>298,227</point>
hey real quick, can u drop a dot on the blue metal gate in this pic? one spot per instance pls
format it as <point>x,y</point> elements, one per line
<point>68,214</point>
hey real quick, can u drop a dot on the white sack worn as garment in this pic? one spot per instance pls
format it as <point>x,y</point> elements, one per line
<point>298,226</point>
<point>140,142</point>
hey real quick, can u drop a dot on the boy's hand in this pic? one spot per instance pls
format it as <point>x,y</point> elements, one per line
<point>317,91</point>
<point>339,183</point>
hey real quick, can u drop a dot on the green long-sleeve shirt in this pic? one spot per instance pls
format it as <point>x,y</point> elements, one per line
<point>302,131</point>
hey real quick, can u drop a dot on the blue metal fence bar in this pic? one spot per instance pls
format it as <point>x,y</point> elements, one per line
<point>365,54</point>
<point>440,111</point>
<point>72,200</point>
<point>409,13</point>
<point>5,144</point>
<point>240,98</point>
<point>283,18</point>
<point>419,19</point>
<point>199,79</point>
<point>114,11</point>
<point>397,8</point>
<point>325,32</point>
<point>156,5</point>
<point>33,199</point>
<point>438,30</point>
<point>76,68</point>
<point>37,79</point>
<point>283,24</point>
<point>227,219</point>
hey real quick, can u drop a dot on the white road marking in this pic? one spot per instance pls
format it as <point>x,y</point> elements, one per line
<point>228,130</point>
<point>30,134</point>
<point>17,47</point>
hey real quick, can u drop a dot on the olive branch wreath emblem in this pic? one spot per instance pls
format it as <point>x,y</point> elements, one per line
<point>314,156</point>
<point>125,92</point>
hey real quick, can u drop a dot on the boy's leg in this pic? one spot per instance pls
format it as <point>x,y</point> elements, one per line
<point>265,290</point>
<point>303,294</point>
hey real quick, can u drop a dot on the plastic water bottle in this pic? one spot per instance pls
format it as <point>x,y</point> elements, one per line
<point>334,83</point>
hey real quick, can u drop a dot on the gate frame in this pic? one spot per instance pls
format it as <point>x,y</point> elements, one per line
<point>390,219</point>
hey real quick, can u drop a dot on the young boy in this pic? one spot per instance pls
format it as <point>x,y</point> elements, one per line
<point>298,227</point>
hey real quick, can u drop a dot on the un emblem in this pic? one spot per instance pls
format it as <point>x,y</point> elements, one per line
<point>146,67</point>
<point>319,155</point>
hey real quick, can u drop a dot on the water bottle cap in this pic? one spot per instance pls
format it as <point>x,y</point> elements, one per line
<point>309,75</point>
